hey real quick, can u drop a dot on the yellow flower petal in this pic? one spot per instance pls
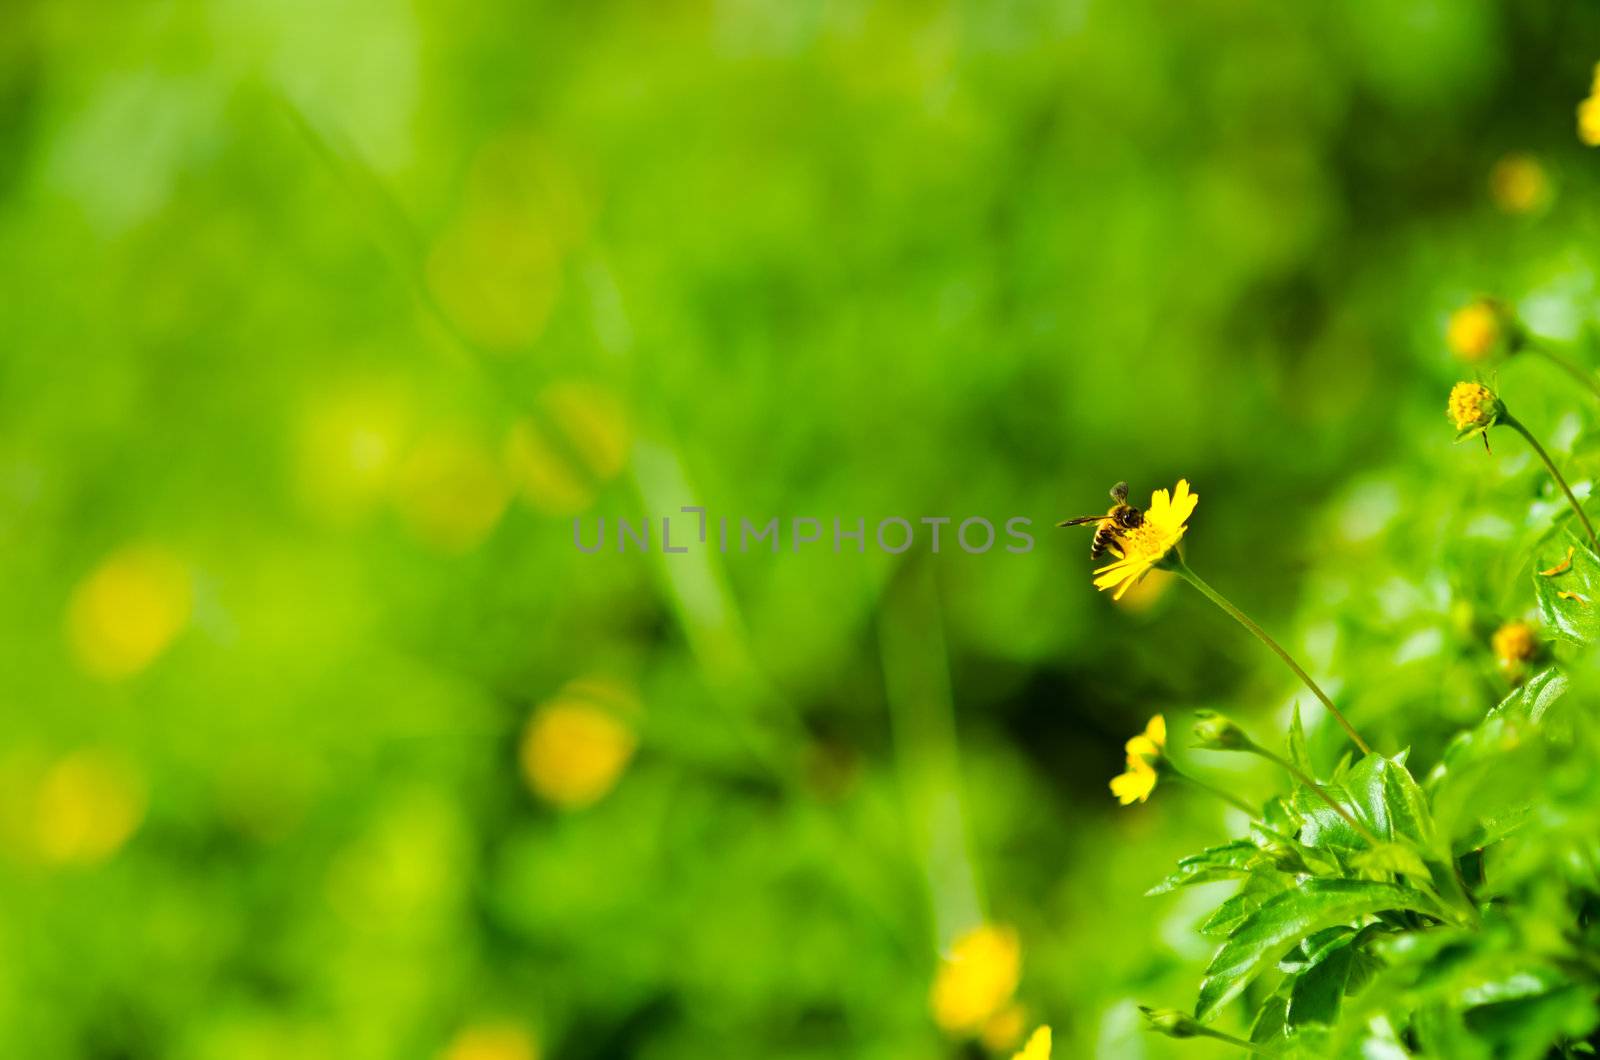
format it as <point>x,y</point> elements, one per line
<point>1165,523</point>
<point>1038,1047</point>
<point>1136,784</point>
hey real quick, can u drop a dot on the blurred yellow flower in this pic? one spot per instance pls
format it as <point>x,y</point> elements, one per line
<point>1514,644</point>
<point>1474,330</point>
<point>577,442</point>
<point>1589,121</point>
<point>88,804</point>
<point>127,611</point>
<point>976,979</point>
<point>1142,548</point>
<point>492,1041</point>
<point>1473,408</point>
<point>1518,184</point>
<point>451,492</point>
<point>1144,752</point>
<point>576,745</point>
<point>1038,1047</point>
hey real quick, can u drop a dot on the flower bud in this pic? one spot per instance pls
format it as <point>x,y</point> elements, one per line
<point>1214,732</point>
<point>1473,408</point>
<point>1171,1022</point>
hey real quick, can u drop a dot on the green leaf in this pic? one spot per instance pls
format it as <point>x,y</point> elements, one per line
<point>1534,697</point>
<point>1229,861</point>
<point>1270,1020</point>
<point>1298,754</point>
<point>1574,618</point>
<point>1378,792</point>
<point>1319,989</point>
<point>1287,918</point>
<point>1252,896</point>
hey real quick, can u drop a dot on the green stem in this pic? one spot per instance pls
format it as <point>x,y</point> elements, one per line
<point>1182,570</point>
<point>1226,796</point>
<point>1311,783</point>
<point>1586,378</point>
<point>1249,1047</point>
<point>1516,425</point>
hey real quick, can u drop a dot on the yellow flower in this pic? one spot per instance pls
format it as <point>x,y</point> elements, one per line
<point>88,805</point>
<point>1589,121</point>
<point>977,978</point>
<point>128,611</point>
<point>1518,184</point>
<point>1473,408</point>
<point>1514,644</point>
<point>576,745</point>
<point>1038,1047</point>
<point>1142,548</point>
<point>1144,751</point>
<point>1474,330</point>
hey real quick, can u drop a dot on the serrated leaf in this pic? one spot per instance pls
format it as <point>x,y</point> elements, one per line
<point>1378,792</point>
<point>1285,919</point>
<point>1233,912</point>
<point>1226,862</point>
<point>1574,617</point>
<point>1391,858</point>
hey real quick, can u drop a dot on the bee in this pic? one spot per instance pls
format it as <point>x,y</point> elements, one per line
<point>1121,518</point>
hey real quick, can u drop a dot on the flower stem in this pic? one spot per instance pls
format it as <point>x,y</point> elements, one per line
<point>1588,379</point>
<point>1181,569</point>
<point>1516,425</point>
<point>1311,783</point>
<point>1226,796</point>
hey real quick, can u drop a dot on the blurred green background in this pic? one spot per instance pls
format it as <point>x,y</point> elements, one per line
<point>319,324</point>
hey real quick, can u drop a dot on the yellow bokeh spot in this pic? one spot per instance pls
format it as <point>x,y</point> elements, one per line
<point>87,806</point>
<point>450,492</point>
<point>976,979</point>
<point>349,443</point>
<point>1589,121</point>
<point>576,443</point>
<point>1518,184</point>
<point>492,1041</point>
<point>1474,330</point>
<point>1514,644</point>
<point>127,611</point>
<point>577,744</point>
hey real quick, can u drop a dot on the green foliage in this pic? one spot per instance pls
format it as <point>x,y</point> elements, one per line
<point>1378,916</point>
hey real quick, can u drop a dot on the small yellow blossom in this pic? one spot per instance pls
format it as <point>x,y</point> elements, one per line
<point>88,805</point>
<point>1514,644</point>
<point>492,1041</point>
<point>1142,548</point>
<point>1475,330</point>
<point>1473,409</point>
<point>1038,1047</point>
<point>1589,121</point>
<point>1518,184</point>
<point>976,979</point>
<point>1144,752</point>
<point>127,611</point>
<point>576,745</point>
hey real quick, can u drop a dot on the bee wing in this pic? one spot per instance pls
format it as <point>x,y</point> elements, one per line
<point>1081,520</point>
